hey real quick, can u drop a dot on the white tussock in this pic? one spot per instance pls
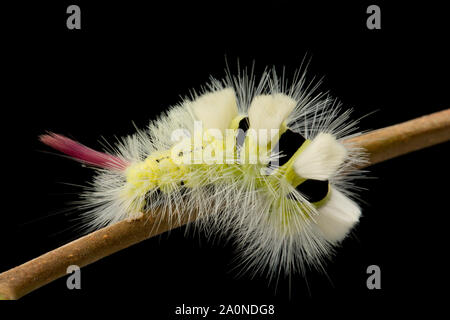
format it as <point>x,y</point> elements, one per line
<point>268,112</point>
<point>337,216</point>
<point>215,109</point>
<point>321,159</point>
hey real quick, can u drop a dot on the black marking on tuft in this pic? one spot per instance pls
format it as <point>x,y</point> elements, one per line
<point>288,145</point>
<point>243,124</point>
<point>312,190</point>
<point>240,137</point>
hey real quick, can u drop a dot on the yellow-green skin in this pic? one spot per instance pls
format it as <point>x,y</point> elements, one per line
<point>169,169</point>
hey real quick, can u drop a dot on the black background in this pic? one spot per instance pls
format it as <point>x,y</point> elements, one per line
<point>130,61</point>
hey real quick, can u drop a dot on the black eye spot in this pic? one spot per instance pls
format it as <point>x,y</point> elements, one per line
<point>287,146</point>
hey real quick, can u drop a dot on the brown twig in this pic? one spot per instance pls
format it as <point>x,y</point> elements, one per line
<point>382,144</point>
<point>21,280</point>
<point>390,142</point>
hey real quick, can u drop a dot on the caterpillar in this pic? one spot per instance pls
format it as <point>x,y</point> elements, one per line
<point>263,163</point>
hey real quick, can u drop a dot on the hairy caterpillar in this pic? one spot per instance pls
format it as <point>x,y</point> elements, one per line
<point>261,162</point>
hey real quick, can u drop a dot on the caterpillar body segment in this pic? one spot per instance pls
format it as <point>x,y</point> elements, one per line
<point>261,164</point>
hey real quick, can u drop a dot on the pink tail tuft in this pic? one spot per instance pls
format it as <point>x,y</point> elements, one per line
<point>82,153</point>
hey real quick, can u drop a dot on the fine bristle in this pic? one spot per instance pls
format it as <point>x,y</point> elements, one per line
<point>321,158</point>
<point>216,109</point>
<point>268,112</point>
<point>337,217</point>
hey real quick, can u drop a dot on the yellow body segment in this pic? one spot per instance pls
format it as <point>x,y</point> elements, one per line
<point>194,165</point>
